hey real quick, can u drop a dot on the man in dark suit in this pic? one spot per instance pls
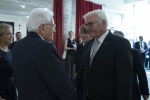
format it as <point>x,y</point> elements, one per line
<point>140,84</point>
<point>37,66</point>
<point>142,47</point>
<point>108,74</point>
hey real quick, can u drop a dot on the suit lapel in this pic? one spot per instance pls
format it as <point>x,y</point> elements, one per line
<point>103,46</point>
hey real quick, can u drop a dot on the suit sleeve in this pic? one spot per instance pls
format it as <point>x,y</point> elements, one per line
<point>124,71</point>
<point>76,59</point>
<point>146,48</point>
<point>78,56</point>
<point>78,81</point>
<point>54,74</point>
<point>149,52</point>
<point>135,45</point>
<point>143,83</point>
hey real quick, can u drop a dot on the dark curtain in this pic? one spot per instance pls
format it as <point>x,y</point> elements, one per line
<point>82,7</point>
<point>58,18</point>
<point>93,6</point>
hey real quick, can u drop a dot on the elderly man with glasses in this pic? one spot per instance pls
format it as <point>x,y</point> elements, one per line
<point>106,65</point>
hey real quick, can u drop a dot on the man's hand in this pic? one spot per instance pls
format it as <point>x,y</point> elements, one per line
<point>145,97</point>
<point>142,51</point>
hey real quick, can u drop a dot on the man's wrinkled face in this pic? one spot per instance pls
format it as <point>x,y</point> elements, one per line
<point>48,30</point>
<point>94,26</point>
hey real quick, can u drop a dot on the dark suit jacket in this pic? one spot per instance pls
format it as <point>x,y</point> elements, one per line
<point>78,55</point>
<point>148,52</point>
<point>110,75</point>
<point>137,46</point>
<point>39,72</point>
<point>140,84</point>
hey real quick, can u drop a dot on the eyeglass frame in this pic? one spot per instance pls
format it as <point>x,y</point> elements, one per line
<point>53,25</point>
<point>91,23</point>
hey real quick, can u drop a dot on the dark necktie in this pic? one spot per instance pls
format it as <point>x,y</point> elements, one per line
<point>141,44</point>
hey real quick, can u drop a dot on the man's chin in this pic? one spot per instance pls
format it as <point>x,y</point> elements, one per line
<point>51,39</point>
<point>92,36</point>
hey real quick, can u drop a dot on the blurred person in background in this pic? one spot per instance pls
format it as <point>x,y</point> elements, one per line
<point>70,45</point>
<point>140,83</point>
<point>147,61</point>
<point>142,47</point>
<point>7,84</point>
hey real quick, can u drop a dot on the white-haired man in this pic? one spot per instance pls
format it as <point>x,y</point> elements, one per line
<point>106,64</point>
<point>38,70</point>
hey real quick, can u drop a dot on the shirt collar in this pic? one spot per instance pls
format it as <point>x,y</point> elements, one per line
<point>101,39</point>
<point>41,36</point>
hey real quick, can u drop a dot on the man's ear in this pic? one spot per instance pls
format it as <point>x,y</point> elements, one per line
<point>42,28</point>
<point>104,22</point>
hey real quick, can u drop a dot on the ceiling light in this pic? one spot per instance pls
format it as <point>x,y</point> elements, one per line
<point>45,9</point>
<point>23,6</point>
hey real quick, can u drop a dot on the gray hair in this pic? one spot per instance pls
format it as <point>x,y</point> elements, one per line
<point>37,17</point>
<point>100,15</point>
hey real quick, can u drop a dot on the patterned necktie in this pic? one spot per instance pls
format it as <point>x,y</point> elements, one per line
<point>94,49</point>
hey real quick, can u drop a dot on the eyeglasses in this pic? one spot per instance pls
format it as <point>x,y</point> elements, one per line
<point>53,25</point>
<point>89,25</point>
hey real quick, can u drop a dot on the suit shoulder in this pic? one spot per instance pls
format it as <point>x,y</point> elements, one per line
<point>38,42</point>
<point>119,39</point>
<point>136,42</point>
<point>47,44</point>
<point>134,50</point>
